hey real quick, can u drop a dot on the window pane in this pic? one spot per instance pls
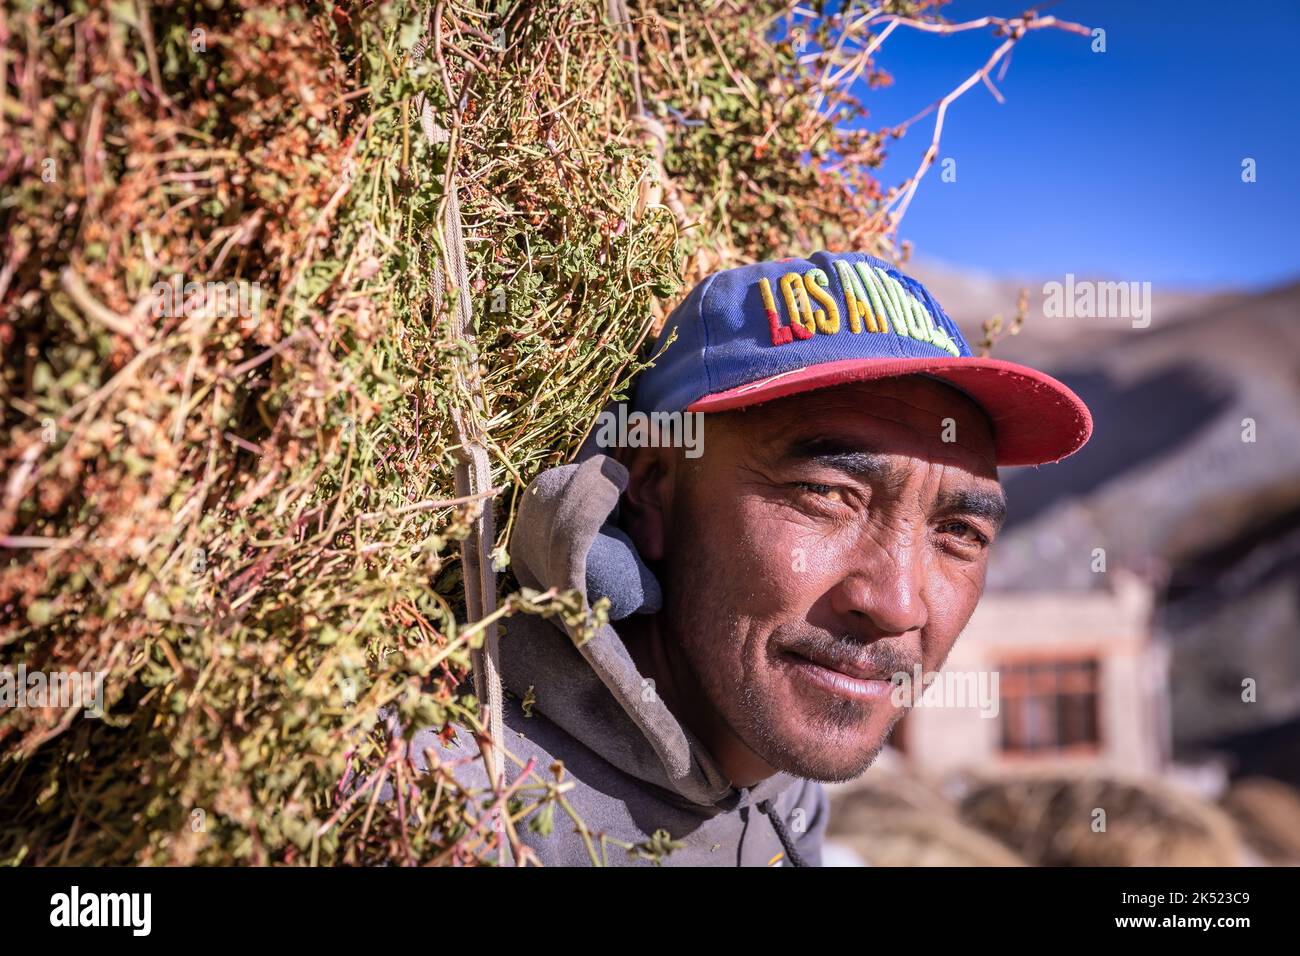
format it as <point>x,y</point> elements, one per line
<point>1049,705</point>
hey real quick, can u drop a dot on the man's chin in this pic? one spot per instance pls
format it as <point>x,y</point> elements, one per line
<point>819,736</point>
<point>821,758</point>
<point>832,771</point>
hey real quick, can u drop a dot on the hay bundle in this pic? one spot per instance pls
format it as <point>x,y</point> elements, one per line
<point>229,398</point>
<point>892,817</point>
<point>1053,818</point>
<point>1267,813</point>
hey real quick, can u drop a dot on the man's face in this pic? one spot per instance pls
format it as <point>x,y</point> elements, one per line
<point>823,543</point>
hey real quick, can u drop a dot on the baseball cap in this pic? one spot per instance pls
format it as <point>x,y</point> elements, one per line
<point>764,331</point>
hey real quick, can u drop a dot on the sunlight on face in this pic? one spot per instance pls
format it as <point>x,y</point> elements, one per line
<point>824,543</point>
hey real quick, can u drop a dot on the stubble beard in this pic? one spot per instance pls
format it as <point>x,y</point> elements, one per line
<point>700,617</point>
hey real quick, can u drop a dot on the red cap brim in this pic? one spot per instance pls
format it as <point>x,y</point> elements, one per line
<point>1036,419</point>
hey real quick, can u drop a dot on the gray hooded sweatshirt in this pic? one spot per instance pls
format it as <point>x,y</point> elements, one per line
<point>635,769</point>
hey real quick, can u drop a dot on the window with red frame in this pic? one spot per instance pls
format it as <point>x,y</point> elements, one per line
<point>1049,707</point>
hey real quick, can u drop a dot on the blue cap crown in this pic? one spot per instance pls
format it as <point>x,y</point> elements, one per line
<point>752,322</point>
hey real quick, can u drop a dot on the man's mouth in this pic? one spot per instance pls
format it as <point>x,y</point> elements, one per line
<point>838,676</point>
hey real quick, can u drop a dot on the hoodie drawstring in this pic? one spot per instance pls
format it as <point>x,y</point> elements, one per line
<point>782,833</point>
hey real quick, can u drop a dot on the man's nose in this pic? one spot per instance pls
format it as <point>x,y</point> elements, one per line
<point>883,598</point>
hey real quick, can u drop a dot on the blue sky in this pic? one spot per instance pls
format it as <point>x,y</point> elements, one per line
<point>1125,164</point>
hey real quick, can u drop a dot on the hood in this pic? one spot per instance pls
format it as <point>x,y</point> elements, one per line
<point>595,692</point>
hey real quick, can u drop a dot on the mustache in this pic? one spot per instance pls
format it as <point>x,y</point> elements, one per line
<point>879,659</point>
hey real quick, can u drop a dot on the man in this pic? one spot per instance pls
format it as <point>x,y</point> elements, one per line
<point>834,532</point>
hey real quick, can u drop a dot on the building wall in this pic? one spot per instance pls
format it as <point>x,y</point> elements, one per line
<point>1114,626</point>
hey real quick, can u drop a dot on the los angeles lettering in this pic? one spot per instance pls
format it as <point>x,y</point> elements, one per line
<point>874,301</point>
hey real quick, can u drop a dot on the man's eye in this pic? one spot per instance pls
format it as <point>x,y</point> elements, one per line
<point>964,531</point>
<point>824,491</point>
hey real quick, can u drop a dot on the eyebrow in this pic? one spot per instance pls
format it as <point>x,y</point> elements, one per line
<point>854,462</point>
<point>990,505</point>
<point>876,467</point>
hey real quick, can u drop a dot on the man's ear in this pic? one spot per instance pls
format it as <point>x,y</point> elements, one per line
<point>648,499</point>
